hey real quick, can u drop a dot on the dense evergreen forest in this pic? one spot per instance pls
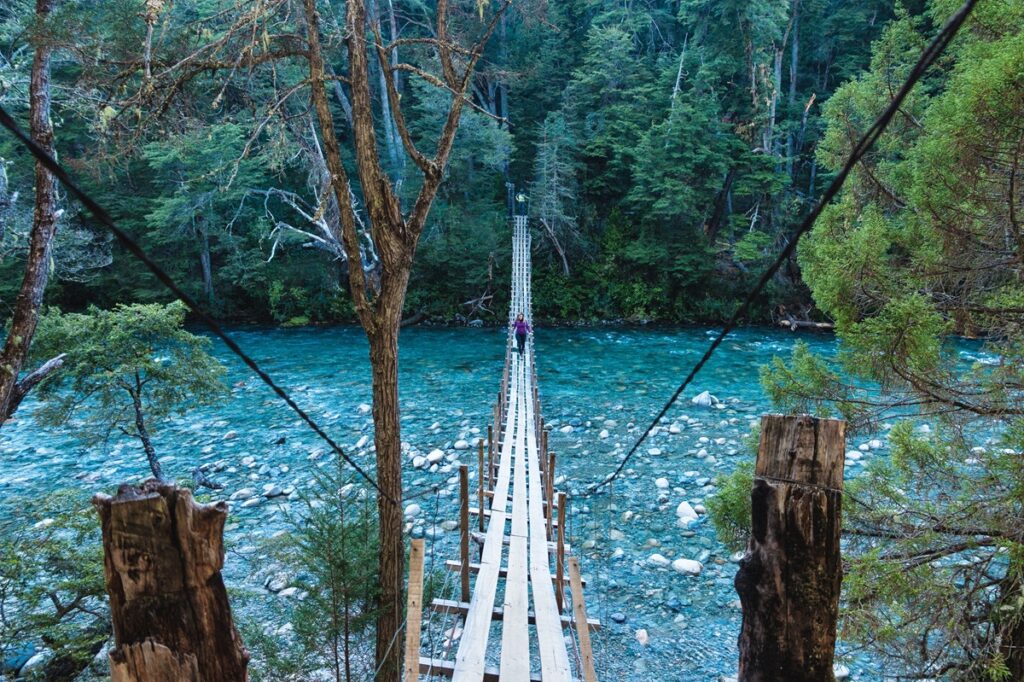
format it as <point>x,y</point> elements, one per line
<point>667,148</point>
<point>666,152</point>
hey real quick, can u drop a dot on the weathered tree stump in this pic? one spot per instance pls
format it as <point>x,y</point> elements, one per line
<point>163,554</point>
<point>789,580</point>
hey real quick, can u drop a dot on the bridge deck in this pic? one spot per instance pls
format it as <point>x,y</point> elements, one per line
<point>516,555</point>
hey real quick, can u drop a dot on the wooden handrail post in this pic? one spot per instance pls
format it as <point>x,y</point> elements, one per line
<point>480,486</point>
<point>560,561</point>
<point>490,461</point>
<point>414,612</point>
<point>550,489</point>
<point>789,579</point>
<point>579,608</point>
<point>464,524</point>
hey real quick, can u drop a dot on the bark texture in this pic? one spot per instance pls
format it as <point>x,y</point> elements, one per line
<point>163,554</point>
<point>44,225</point>
<point>789,580</point>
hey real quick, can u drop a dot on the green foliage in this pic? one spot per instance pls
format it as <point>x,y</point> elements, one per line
<point>125,370</point>
<point>332,550</point>
<point>52,591</point>
<point>729,508</point>
<point>917,249</point>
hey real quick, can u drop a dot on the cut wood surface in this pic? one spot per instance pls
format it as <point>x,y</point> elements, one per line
<point>789,579</point>
<point>163,555</point>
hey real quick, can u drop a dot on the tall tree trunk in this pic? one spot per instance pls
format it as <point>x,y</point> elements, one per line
<point>387,438</point>
<point>44,225</point>
<point>162,556</point>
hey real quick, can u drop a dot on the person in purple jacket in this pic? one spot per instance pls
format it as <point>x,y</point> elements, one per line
<point>522,328</point>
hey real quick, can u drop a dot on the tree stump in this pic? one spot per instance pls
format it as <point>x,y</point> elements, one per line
<point>789,580</point>
<point>162,555</point>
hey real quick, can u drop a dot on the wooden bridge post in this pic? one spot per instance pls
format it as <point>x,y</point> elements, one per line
<point>464,525</point>
<point>789,579</point>
<point>550,489</point>
<point>414,612</point>
<point>162,559</point>
<point>480,486</point>
<point>560,561</point>
<point>490,461</point>
<point>579,608</point>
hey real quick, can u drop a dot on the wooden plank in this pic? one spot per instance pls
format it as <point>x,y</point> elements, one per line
<point>414,611</point>
<point>443,668</point>
<point>554,658</point>
<point>579,609</point>
<point>515,635</point>
<point>452,606</point>
<point>552,546</point>
<point>472,653</point>
<point>454,565</point>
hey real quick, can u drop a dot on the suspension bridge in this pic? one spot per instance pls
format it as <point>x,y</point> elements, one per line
<point>516,613</point>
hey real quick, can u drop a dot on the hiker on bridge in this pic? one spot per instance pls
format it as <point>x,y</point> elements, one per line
<point>522,328</point>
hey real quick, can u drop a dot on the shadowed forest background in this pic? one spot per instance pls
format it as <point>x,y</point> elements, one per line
<point>667,148</point>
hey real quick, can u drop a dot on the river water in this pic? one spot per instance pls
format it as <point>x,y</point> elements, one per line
<point>604,383</point>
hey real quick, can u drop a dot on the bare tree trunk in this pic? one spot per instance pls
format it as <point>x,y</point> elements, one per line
<point>789,579</point>
<point>44,225</point>
<point>205,262</point>
<point>162,556</point>
<point>143,434</point>
<point>387,438</point>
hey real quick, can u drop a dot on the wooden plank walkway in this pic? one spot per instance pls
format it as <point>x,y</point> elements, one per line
<point>517,553</point>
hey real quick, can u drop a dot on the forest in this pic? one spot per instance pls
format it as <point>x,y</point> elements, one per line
<point>320,178</point>
<point>667,150</point>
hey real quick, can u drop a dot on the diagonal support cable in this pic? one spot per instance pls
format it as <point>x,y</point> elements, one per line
<point>928,57</point>
<point>133,248</point>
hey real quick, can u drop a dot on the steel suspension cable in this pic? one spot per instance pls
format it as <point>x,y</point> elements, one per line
<point>866,142</point>
<point>133,248</point>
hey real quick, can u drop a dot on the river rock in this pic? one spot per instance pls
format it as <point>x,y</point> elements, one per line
<point>658,560</point>
<point>364,408</point>
<point>618,617</point>
<point>654,452</point>
<point>435,456</point>
<point>604,433</point>
<point>461,445</point>
<point>704,399</point>
<point>687,566</point>
<point>686,513</point>
<point>230,435</point>
<point>674,429</point>
<point>419,461</point>
<point>568,428</point>
<point>642,637</point>
<point>362,442</point>
<point>276,582</point>
<point>412,511</point>
<point>661,483</point>
<point>252,502</point>
<point>840,671</point>
<point>272,490</point>
<point>243,494</point>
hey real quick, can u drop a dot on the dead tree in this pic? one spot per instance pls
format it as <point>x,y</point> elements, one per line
<point>789,579</point>
<point>162,556</point>
<point>44,226</point>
